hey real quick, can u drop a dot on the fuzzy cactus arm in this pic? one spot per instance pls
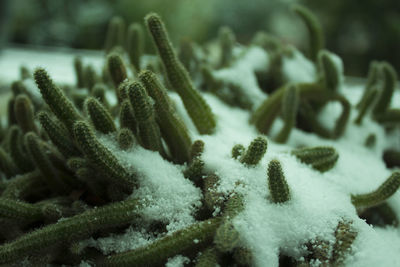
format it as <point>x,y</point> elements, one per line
<point>58,135</point>
<point>42,161</point>
<point>127,117</point>
<point>7,165</point>
<point>316,38</point>
<point>290,104</point>
<point>208,258</point>
<point>115,33</point>
<point>385,96</point>
<point>373,77</point>
<point>277,184</point>
<point>16,150</point>
<point>198,109</point>
<point>187,240</point>
<point>135,44</point>
<point>117,71</point>
<point>24,113</point>
<point>255,152</point>
<point>99,115</point>
<point>148,129</point>
<point>384,191</point>
<point>237,151</point>
<point>125,138</point>
<point>70,229</point>
<point>172,128</point>
<point>320,158</point>
<point>22,185</point>
<point>101,157</point>
<point>78,67</point>
<point>56,99</point>
<point>329,70</point>
<point>370,96</point>
<point>226,39</point>
<point>15,209</point>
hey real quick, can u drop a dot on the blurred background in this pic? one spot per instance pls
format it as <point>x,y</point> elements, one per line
<point>357,30</point>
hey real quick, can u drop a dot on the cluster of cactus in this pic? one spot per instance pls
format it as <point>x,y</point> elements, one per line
<point>61,184</point>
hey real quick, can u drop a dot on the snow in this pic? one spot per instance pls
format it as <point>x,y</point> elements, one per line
<point>318,200</point>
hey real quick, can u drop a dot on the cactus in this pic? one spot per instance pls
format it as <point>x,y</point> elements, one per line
<point>277,184</point>
<point>255,152</point>
<point>320,158</point>
<point>196,106</point>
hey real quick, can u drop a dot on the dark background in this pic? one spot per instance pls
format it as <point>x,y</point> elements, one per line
<point>357,30</point>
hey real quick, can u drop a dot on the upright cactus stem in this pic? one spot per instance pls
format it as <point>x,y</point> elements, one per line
<point>226,42</point>
<point>117,70</point>
<point>386,190</point>
<point>135,44</point>
<point>316,38</point>
<point>58,135</point>
<point>125,138</point>
<point>290,104</point>
<point>385,96</point>
<point>99,115</point>
<point>127,117</point>
<point>115,34</point>
<point>237,151</point>
<point>255,152</point>
<point>329,70</point>
<point>148,130</point>
<point>78,66</point>
<point>24,113</point>
<point>198,109</point>
<point>56,99</point>
<point>102,158</point>
<point>277,184</point>
<point>172,128</point>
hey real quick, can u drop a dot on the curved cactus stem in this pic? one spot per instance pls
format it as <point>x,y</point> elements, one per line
<point>384,191</point>
<point>385,96</point>
<point>364,105</point>
<point>23,110</point>
<point>290,104</point>
<point>321,158</point>
<point>373,77</point>
<point>135,44</point>
<point>329,70</point>
<point>316,38</point>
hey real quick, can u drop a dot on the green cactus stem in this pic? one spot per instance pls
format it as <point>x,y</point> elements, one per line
<point>115,34</point>
<point>316,38</point>
<point>24,113</point>
<point>384,191</point>
<point>70,229</point>
<point>385,96</point>
<point>226,39</point>
<point>198,109</point>
<point>207,258</point>
<point>370,96</point>
<point>7,165</point>
<point>237,151</point>
<point>125,138</point>
<point>329,70</point>
<point>58,135</point>
<point>21,186</point>
<point>321,158</point>
<point>56,99</point>
<point>41,160</point>
<point>135,44</point>
<point>148,129</point>
<point>277,184</point>
<point>99,116</point>
<point>172,128</point>
<point>255,151</point>
<point>17,152</point>
<point>373,78</point>
<point>101,157</point>
<point>117,70</point>
<point>78,67</point>
<point>127,117</point>
<point>187,240</point>
<point>290,104</point>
